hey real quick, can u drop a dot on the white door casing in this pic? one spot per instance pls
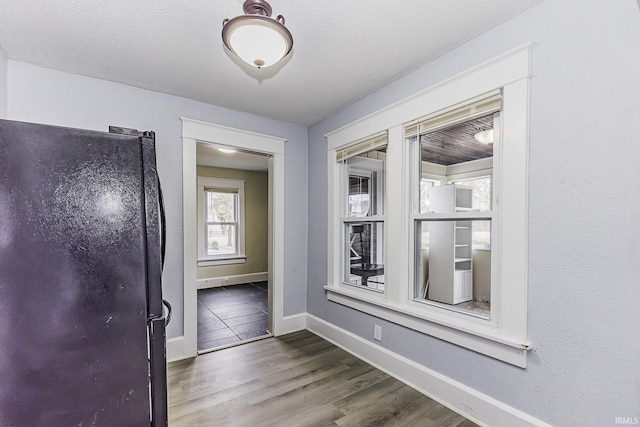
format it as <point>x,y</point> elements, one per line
<point>194,131</point>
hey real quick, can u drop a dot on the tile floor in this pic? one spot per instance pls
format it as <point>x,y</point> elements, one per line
<point>231,314</point>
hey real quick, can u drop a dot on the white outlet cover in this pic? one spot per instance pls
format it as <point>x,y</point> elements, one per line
<point>377,332</point>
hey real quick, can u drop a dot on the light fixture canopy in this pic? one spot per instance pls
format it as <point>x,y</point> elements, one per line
<point>484,137</point>
<point>255,37</point>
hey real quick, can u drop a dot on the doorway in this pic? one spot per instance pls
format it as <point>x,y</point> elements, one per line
<point>232,274</point>
<point>196,132</point>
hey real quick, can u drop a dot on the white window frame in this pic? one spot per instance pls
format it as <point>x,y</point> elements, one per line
<point>366,168</point>
<point>239,257</point>
<point>505,336</point>
<point>467,170</point>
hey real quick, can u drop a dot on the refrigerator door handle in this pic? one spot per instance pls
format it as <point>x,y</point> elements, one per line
<point>158,372</point>
<point>169,310</point>
<point>163,225</point>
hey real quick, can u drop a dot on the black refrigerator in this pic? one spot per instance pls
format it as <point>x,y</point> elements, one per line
<point>82,325</point>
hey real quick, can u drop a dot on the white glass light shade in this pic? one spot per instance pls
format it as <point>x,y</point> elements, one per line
<point>259,41</point>
<point>484,137</point>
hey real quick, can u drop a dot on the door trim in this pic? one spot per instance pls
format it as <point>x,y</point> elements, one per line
<point>194,131</point>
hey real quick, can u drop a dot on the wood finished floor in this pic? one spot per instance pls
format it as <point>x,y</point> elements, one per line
<point>231,314</point>
<point>294,380</point>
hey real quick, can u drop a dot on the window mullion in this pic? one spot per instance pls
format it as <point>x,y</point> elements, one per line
<point>455,216</point>
<point>395,235</point>
<point>376,218</point>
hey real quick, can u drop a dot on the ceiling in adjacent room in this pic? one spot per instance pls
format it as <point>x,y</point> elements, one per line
<point>343,50</point>
<point>456,144</point>
<point>208,155</point>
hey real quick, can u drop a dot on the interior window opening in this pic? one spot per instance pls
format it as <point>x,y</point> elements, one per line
<point>363,228</point>
<point>453,267</point>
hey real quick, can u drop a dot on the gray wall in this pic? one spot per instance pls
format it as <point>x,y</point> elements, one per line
<point>256,208</point>
<point>45,96</point>
<point>3,84</point>
<point>584,221</point>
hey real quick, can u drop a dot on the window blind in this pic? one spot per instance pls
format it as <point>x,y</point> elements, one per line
<point>468,110</point>
<point>371,143</point>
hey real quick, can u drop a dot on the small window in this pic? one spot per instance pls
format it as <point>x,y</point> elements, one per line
<point>220,221</point>
<point>221,233</point>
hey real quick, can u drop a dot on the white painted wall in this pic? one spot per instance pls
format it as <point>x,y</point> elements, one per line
<point>584,221</point>
<point>3,84</point>
<point>47,96</point>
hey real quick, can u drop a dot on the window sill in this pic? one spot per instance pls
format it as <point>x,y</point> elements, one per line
<point>481,339</point>
<point>223,260</point>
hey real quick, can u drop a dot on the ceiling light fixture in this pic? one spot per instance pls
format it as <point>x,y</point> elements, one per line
<point>255,37</point>
<point>226,150</point>
<point>484,137</point>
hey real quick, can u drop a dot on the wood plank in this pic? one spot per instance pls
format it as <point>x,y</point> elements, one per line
<point>295,380</point>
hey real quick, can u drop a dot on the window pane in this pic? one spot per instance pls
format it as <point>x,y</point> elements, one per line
<point>221,207</point>
<point>425,185</point>
<point>359,195</point>
<point>221,239</point>
<point>365,184</point>
<point>364,255</point>
<point>450,270</point>
<point>481,237</point>
<point>481,192</point>
<point>456,152</point>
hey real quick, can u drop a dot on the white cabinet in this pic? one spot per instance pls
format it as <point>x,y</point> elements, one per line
<point>450,198</point>
<point>450,250</point>
<point>462,286</point>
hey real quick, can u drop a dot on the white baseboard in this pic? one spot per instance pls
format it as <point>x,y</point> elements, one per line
<point>216,282</point>
<point>293,323</point>
<point>468,402</point>
<point>175,349</point>
<point>289,324</point>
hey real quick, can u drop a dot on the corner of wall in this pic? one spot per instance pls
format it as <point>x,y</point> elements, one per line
<point>4,63</point>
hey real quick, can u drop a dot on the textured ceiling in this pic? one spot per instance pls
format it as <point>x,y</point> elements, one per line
<point>343,50</point>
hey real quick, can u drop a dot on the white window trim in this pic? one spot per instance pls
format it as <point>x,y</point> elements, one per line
<point>365,167</point>
<point>205,260</point>
<point>505,336</point>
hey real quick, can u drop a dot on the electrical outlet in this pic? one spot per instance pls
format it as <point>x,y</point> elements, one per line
<point>377,332</point>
